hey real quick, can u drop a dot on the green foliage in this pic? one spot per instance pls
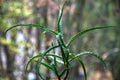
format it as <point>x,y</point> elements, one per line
<point>11,44</point>
<point>16,9</point>
<point>4,78</point>
<point>66,56</point>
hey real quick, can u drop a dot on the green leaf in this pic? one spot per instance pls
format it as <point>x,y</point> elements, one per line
<point>38,72</point>
<point>33,25</point>
<point>43,36</point>
<point>55,62</point>
<point>57,59</point>
<point>83,32</point>
<point>89,53</point>
<point>81,62</point>
<point>62,41</point>
<point>62,73</point>
<point>43,55</point>
<point>62,50</point>
<point>39,55</point>
<point>46,65</point>
<point>60,22</point>
<point>51,48</point>
<point>53,55</point>
<point>55,70</point>
<point>83,66</point>
<point>51,67</point>
<point>60,19</point>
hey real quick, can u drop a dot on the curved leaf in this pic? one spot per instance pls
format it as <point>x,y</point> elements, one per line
<point>82,64</point>
<point>58,59</point>
<point>59,24</point>
<point>89,53</point>
<point>39,55</point>
<point>62,73</point>
<point>33,25</point>
<point>62,50</point>
<point>44,54</point>
<point>47,66</point>
<point>54,60</point>
<point>55,70</point>
<point>83,32</point>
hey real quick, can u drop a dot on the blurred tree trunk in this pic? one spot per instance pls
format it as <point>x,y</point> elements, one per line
<point>78,18</point>
<point>10,63</point>
<point>41,8</point>
<point>1,66</point>
<point>47,35</point>
<point>114,59</point>
<point>2,71</point>
<point>10,57</point>
<point>37,21</point>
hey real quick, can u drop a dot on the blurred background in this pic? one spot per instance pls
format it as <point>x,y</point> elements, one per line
<point>22,43</point>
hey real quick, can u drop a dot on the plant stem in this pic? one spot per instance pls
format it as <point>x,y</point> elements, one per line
<point>66,74</point>
<point>59,78</point>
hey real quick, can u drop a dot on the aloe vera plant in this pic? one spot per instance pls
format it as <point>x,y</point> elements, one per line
<point>66,56</point>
